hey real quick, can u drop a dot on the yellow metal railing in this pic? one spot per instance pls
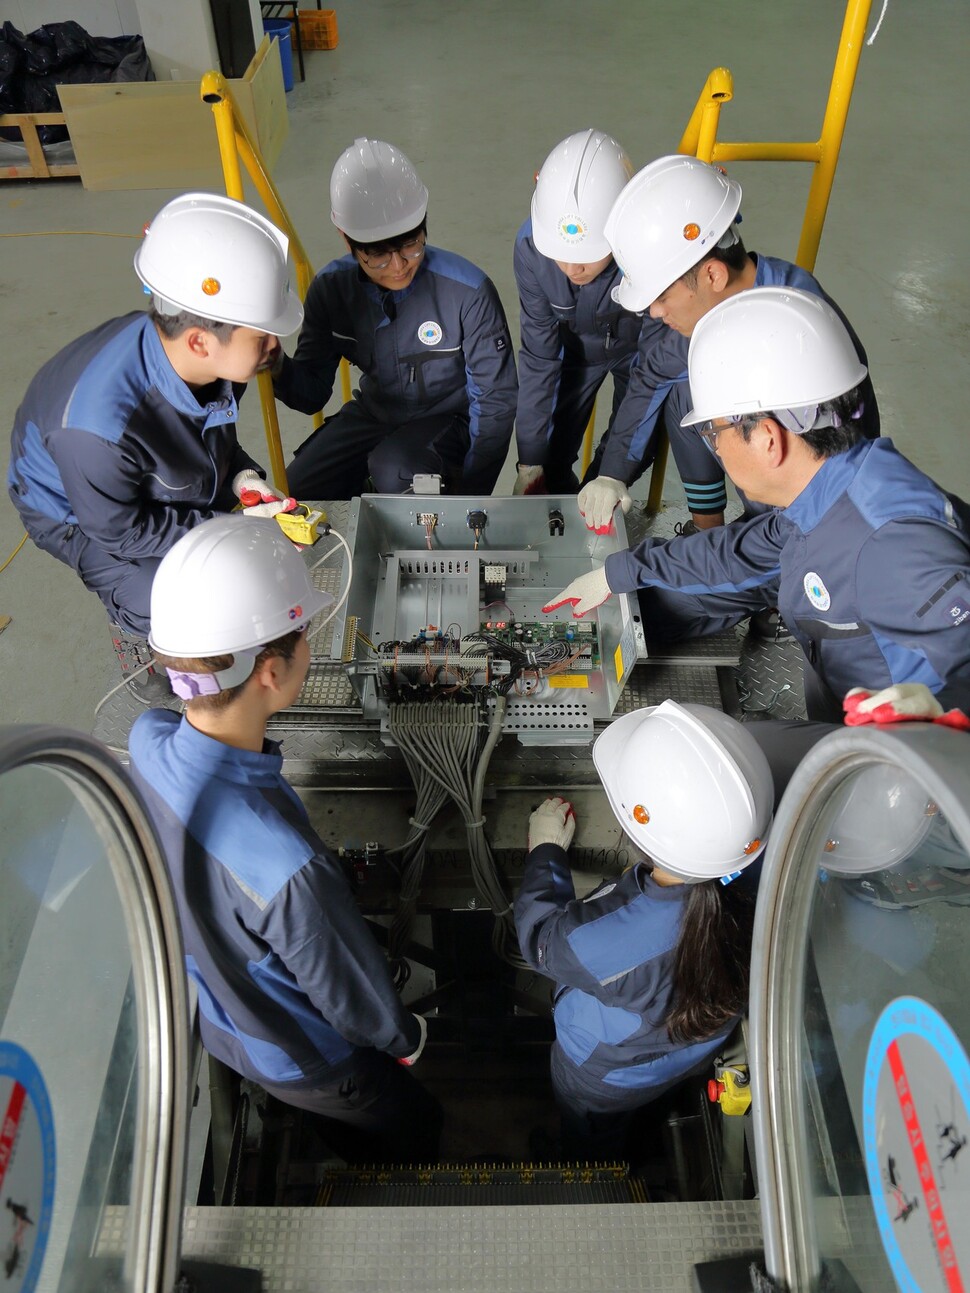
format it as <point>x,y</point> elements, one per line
<point>700,140</point>
<point>236,145</point>
<point>700,137</point>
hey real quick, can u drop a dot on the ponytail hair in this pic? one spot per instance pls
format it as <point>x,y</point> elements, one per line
<point>712,964</point>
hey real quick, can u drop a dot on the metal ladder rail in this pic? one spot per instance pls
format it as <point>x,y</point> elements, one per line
<point>700,140</point>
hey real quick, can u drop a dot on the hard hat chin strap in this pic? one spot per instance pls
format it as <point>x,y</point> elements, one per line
<point>188,685</point>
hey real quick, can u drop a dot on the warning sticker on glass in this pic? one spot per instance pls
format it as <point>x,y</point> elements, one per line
<point>916,1120</point>
<point>27,1169</point>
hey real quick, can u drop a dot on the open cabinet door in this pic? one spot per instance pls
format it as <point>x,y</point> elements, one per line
<point>860,1017</point>
<point>94,1047</point>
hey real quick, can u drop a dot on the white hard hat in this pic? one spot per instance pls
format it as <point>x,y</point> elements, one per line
<point>689,785</point>
<point>230,584</point>
<point>375,192</point>
<point>667,218</point>
<point>217,258</point>
<point>770,349</point>
<point>878,816</point>
<point>576,187</point>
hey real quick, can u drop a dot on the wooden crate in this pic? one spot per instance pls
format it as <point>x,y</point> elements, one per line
<point>160,135</point>
<point>36,167</point>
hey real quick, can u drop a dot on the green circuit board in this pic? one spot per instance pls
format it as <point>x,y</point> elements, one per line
<point>581,635</point>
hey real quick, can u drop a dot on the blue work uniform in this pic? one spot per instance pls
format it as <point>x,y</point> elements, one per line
<point>659,386</point>
<point>114,458</point>
<point>612,957</point>
<point>294,992</point>
<point>437,389</point>
<point>869,567</point>
<point>571,338</point>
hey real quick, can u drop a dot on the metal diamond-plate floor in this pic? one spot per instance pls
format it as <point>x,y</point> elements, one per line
<point>545,1249</point>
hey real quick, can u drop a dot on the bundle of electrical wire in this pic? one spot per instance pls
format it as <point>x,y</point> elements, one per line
<point>538,660</point>
<point>442,740</point>
<point>409,858</point>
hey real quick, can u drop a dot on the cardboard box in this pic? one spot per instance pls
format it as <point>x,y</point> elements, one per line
<point>160,135</point>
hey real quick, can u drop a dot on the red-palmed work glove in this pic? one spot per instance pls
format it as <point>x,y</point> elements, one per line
<point>530,480</point>
<point>598,499</point>
<point>553,822</point>
<point>586,593</point>
<point>408,1060</point>
<point>259,498</point>
<point>903,703</point>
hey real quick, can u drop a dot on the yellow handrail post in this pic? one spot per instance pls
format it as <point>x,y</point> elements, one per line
<point>658,471</point>
<point>833,128</point>
<point>235,144</point>
<point>586,456</point>
<point>698,139</point>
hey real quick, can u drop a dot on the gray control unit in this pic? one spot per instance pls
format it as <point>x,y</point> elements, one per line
<point>446,599</point>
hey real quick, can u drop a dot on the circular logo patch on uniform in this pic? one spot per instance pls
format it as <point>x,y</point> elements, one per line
<point>816,592</point>
<point>430,333</point>
<point>572,230</point>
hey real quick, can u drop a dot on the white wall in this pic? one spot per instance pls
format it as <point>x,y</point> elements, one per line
<point>178,33</point>
<point>99,17</point>
<point>179,37</point>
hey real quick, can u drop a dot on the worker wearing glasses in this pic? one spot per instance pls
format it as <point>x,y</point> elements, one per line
<point>866,558</point>
<point>674,231</point>
<point>427,332</point>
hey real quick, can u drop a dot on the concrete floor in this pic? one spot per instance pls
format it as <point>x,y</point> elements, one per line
<point>477,94</point>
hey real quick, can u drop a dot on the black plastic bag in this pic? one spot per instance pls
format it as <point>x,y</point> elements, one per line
<point>32,67</point>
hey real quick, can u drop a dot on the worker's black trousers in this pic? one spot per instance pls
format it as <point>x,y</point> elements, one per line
<point>355,453</point>
<point>380,1113</point>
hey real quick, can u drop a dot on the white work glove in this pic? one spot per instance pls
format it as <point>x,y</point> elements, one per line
<point>530,480</point>
<point>408,1060</point>
<point>259,498</point>
<point>553,822</point>
<point>598,499</point>
<point>902,703</point>
<point>586,593</point>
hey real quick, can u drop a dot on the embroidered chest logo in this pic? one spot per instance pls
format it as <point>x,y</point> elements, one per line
<point>816,592</point>
<point>430,333</point>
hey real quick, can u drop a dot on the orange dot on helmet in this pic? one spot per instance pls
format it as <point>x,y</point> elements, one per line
<point>692,231</point>
<point>752,847</point>
<point>211,286</point>
<point>641,815</point>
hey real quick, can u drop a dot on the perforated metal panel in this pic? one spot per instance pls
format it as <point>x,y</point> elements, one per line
<point>327,688</point>
<point>532,722</point>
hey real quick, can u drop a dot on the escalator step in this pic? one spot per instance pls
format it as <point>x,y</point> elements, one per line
<point>505,1185</point>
